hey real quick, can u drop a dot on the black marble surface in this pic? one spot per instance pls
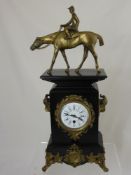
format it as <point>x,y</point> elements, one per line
<point>59,76</point>
<point>86,148</point>
<point>91,94</point>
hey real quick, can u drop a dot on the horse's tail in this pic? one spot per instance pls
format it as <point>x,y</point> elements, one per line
<point>101,41</point>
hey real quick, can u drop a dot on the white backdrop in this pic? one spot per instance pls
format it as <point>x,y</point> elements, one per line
<point>23,122</point>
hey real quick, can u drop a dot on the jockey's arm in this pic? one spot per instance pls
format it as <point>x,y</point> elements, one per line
<point>76,18</point>
<point>67,24</point>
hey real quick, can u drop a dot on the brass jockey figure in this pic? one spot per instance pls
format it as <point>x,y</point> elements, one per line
<point>72,25</point>
<point>70,38</point>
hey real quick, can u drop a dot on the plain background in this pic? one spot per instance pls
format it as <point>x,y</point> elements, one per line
<point>23,121</point>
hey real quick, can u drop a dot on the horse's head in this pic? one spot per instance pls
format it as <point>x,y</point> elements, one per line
<point>36,44</point>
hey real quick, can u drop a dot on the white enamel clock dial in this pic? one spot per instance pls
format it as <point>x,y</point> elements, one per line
<point>74,115</point>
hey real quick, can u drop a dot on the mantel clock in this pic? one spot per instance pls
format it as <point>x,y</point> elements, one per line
<point>74,101</point>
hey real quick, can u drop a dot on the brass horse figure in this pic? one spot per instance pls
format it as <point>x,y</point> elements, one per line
<point>60,43</point>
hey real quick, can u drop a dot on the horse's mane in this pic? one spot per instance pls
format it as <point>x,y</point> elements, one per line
<point>53,34</point>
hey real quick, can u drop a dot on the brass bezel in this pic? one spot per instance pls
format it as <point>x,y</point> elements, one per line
<point>75,133</point>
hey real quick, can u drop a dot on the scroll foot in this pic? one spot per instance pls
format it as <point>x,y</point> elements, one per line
<point>51,159</point>
<point>99,159</point>
<point>101,162</point>
<point>103,166</point>
<point>44,168</point>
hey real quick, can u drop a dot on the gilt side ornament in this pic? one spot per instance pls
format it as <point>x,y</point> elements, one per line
<point>69,38</point>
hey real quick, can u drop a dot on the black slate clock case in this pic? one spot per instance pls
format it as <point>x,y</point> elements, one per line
<point>89,92</point>
<point>84,85</point>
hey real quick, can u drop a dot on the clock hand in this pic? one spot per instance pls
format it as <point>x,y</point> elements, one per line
<point>66,114</point>
<point>80,118</point>
<point>72,115</point>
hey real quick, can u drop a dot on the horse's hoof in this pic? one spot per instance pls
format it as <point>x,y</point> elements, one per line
<point>67,70</point>
<point>77,70</point>
<point>98,71</point>
<point>49,72</point>
<point>44,168</point>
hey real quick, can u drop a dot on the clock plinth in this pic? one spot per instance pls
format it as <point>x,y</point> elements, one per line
<point>84,77</point>
<point>75,154</point>
<point>74,104</point>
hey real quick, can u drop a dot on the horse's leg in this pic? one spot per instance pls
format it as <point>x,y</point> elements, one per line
<point>83,60</point>
<point>65,58</point>
<point>53,60</point>
<point>96,58</point>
